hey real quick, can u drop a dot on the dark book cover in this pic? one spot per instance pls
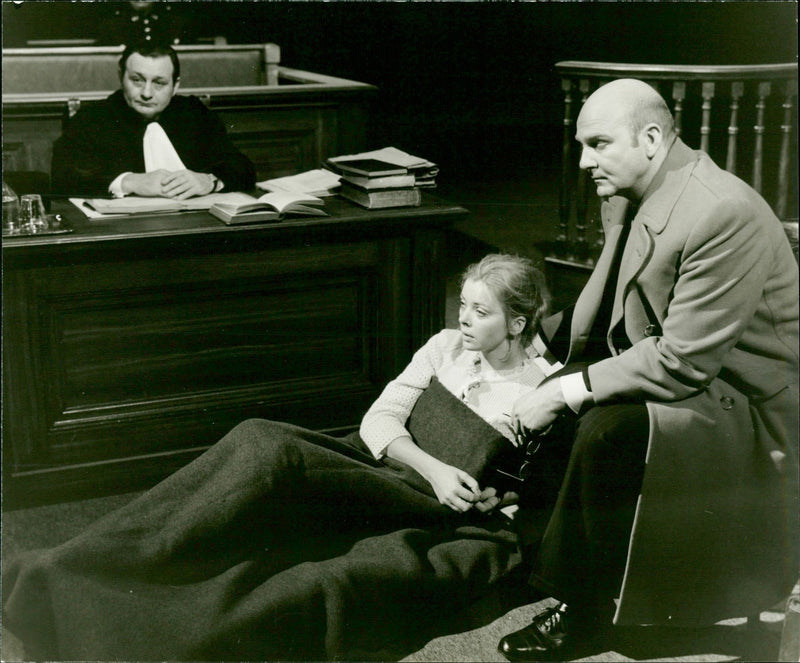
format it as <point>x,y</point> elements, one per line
<point>370,167</point>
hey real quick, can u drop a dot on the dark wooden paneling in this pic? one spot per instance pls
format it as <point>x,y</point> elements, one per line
<point>284,141</point>
<point>131,347</point>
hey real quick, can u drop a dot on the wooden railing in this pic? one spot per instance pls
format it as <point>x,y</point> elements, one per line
<point>744,117</point>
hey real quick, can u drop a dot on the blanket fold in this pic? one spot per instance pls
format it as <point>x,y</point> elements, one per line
<point>277,543</point>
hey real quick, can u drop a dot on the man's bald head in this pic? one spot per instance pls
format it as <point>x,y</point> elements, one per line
<point>625,130</point>
<point>635,101</point>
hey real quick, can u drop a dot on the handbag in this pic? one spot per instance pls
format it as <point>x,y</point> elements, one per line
<point>446,428</point>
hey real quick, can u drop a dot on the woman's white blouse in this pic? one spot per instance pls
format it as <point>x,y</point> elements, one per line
<point>489,393</point>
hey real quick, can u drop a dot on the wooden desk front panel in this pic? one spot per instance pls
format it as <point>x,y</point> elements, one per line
<point>117,373</point>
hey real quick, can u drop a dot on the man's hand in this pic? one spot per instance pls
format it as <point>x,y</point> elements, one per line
<point>145,184</point>
<point>537,409</point>
<point>183,184</point>
<point>178,184</point>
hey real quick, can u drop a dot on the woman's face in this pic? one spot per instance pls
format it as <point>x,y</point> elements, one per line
<point>481,319</point>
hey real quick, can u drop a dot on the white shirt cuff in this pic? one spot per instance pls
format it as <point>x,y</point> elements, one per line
<point>115,188</point>
<point>575,392</point>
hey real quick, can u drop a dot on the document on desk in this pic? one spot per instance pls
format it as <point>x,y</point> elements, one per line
<point>104,208</point>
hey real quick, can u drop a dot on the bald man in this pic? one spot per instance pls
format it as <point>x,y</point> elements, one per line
<point>679,502</point>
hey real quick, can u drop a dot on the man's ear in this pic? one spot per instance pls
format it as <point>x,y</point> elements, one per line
<point>177,85</point>
<point>653,138</point>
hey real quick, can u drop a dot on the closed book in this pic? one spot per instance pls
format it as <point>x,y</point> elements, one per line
<point>269,207</point>
<point>370,168</point>
<point>408,197</point>
<point>387,182</point>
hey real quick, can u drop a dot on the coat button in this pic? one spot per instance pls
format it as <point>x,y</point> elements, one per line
<point>649,330</point>
<point>726,402</point>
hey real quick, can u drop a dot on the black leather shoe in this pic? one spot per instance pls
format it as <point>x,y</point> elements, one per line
<point>554,634</point>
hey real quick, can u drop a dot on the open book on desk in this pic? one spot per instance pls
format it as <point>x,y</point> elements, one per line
<point>96,208</point>
<point>230,204</point>
<point>269,207</point>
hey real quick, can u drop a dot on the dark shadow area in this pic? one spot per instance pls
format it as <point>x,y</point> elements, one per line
<point>739,642</point>
<point>469,85</point>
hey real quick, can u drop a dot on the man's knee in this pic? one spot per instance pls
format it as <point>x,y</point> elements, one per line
<point>609,432</point>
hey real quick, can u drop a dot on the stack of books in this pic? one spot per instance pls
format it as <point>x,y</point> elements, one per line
<point>320,182</point>
<point>383,178</point>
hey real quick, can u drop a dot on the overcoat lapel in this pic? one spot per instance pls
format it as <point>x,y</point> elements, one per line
<point>612,215</point>
<point>650,220</point>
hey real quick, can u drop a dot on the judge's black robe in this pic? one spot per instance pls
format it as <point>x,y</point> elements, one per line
<point>104,140</point>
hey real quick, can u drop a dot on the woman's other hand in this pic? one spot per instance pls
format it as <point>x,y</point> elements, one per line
<point>453,487</point>
<point>489,499</point>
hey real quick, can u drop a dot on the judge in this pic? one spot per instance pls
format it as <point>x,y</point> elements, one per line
<point>144,139</point>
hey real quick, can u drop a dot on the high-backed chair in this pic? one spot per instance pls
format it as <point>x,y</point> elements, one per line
<point>744,117</point>
<point>285,120</point>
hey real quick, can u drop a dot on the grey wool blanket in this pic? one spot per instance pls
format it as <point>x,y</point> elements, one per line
<point>277,543</point>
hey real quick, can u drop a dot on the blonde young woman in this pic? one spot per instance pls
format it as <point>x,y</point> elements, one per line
<point>284,543</point>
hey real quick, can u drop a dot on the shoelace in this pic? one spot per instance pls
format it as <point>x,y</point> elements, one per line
<point>552,616</point>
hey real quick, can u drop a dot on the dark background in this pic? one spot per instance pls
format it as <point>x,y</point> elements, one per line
<point>469,85</point>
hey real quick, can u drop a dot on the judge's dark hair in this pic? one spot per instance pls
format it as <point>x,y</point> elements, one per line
<point>151,50</point>
<point>519,287</point>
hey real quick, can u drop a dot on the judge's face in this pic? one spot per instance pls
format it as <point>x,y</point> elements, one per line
<point>147,84</point>
<point>481,319</point>
<point>615,158</point>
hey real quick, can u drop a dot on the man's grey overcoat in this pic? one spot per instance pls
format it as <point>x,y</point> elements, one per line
<point>708,297</point>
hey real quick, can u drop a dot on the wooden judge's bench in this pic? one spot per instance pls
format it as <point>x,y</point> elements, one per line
<point>131,345</point>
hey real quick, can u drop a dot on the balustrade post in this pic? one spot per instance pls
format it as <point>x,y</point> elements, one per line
<point>73,106</point>
<point>565,194</point>
<point>737,90</point>
<point>581,247</point>
<point>758,153</point>
<point>678,95</point>
<point>790,91</point>
<point>705,125</point>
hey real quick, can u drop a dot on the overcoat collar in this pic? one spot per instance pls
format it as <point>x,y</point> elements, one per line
<point>661,194</point>
<point>651,218</point>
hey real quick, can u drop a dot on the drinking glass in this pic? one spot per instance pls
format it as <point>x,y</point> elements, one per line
<point>32,217</point>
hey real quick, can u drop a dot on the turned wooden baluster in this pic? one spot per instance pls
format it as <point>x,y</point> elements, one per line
<point>678,95</point>
<point>565,194</point>
<point>73,106</point>
<point>737,90</point>
<point>790,91</point>
<point>758,152</point>
<point>705,124</point>
<point>582,190</point>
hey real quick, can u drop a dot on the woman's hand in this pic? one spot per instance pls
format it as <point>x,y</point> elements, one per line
<point>453,487</point>
<point>489,499</point>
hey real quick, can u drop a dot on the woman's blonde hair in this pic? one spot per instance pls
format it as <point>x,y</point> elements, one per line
<point>518,285</point>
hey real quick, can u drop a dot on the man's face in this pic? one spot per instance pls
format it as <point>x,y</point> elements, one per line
<point>615,159</point>
<point>147,84</point>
